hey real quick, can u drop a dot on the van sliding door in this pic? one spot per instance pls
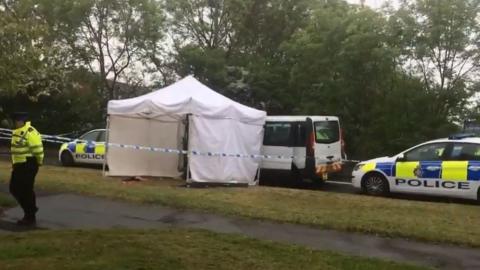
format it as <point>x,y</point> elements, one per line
<point>277,143</point>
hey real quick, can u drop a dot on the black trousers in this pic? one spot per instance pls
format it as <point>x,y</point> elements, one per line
<point>21,185</point>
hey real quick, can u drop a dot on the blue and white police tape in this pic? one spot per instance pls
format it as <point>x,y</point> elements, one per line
<point>44,140</point>
<point>59,139</point>
<point>50,138</point>
<point>198,153</point>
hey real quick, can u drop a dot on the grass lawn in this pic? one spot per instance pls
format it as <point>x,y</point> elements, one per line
<point>430,221</point>
<point>166,249</point>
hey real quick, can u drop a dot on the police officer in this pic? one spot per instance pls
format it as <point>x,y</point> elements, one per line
<point>27,156</point>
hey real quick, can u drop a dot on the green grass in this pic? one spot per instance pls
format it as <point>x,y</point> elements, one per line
<point>429,221</point>
<point>166,249</point>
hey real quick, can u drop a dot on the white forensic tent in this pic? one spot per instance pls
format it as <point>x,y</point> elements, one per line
<point>185,109</point>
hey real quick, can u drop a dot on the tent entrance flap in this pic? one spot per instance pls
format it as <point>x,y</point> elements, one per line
<point>223,136</point>
<point>183,135</point>
<point>144,132</point>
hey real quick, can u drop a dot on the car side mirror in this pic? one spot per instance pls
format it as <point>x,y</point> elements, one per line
<point>401,157</point>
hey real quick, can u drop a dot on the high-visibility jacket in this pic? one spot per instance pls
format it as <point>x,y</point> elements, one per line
<point>26,142</point>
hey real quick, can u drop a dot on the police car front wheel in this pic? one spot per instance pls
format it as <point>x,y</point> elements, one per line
<point>375,184</point>
<point>66,159</point>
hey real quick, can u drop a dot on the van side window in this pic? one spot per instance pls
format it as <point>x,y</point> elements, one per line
<point>327,131</point>
<point>277,134</point>
<point>300,134</point>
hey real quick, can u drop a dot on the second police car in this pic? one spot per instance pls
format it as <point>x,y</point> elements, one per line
<point>445,167</point>
<point>88,148</point>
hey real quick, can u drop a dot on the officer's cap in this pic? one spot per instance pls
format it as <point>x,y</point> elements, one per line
<point>20,116</point>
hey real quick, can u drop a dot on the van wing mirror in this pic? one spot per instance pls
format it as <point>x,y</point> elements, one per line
<point>401,157</point>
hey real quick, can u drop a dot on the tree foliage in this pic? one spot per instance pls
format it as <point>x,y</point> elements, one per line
<point>441,42</point>
<point>107,36</point>
<point>28,64</point>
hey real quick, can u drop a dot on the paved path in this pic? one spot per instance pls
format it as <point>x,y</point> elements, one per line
<point>68,211</point>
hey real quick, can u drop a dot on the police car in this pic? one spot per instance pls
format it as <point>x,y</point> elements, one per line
<point>88,148</point>
<point>445,167</point>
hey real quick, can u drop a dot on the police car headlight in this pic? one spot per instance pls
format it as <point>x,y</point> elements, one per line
<point>358,166</point>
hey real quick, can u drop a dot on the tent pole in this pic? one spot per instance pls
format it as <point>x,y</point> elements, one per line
<point>106,147</point>
<point>257,178</point>
<point>188,171</point>
<point>188,150</point>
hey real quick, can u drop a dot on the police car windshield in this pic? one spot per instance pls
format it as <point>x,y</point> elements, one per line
<point>90,136</point>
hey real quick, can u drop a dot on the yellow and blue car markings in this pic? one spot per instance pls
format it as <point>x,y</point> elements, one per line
<point>85,150</point>
<point>445,175</point>
<point>445,170</point>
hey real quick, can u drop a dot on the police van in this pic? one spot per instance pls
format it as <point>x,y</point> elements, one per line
<point>445,167</point>
<point>88,148</point>
<point>305,143</point>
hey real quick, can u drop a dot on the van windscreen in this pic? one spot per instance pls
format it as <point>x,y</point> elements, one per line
<point>327,132</point>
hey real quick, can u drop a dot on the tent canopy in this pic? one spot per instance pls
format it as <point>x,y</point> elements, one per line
<point>217,124</point>
<point>187,96</point>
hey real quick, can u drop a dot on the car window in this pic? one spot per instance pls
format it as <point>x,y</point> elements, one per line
<point>327,132</point>
<point>428,152</point>
<point>465,151</point>
<point>277,134</point>
<point>90,136</point>
<point>102,136</point>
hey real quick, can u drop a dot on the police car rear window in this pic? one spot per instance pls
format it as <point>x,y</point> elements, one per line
<point>102,136</point>
<point>465,152</point>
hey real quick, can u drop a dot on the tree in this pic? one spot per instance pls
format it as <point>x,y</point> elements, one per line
<point>28,64</point>
<point>228,43</point>
<point>440,42</point>
<point>343,64</point>
<point>106,36</point>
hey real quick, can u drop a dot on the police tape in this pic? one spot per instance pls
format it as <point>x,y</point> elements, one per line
<point>44,140</point>
<point>8,132</point>
<point>59,139</point>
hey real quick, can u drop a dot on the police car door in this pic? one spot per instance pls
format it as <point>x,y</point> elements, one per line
<point>461,171</point>
<point>419,170</point>
<point>85,147</point>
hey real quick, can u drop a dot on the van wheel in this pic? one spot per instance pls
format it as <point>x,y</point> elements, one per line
<point>375,184</point>
<point>478,196</point>
<point>66,159</point>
